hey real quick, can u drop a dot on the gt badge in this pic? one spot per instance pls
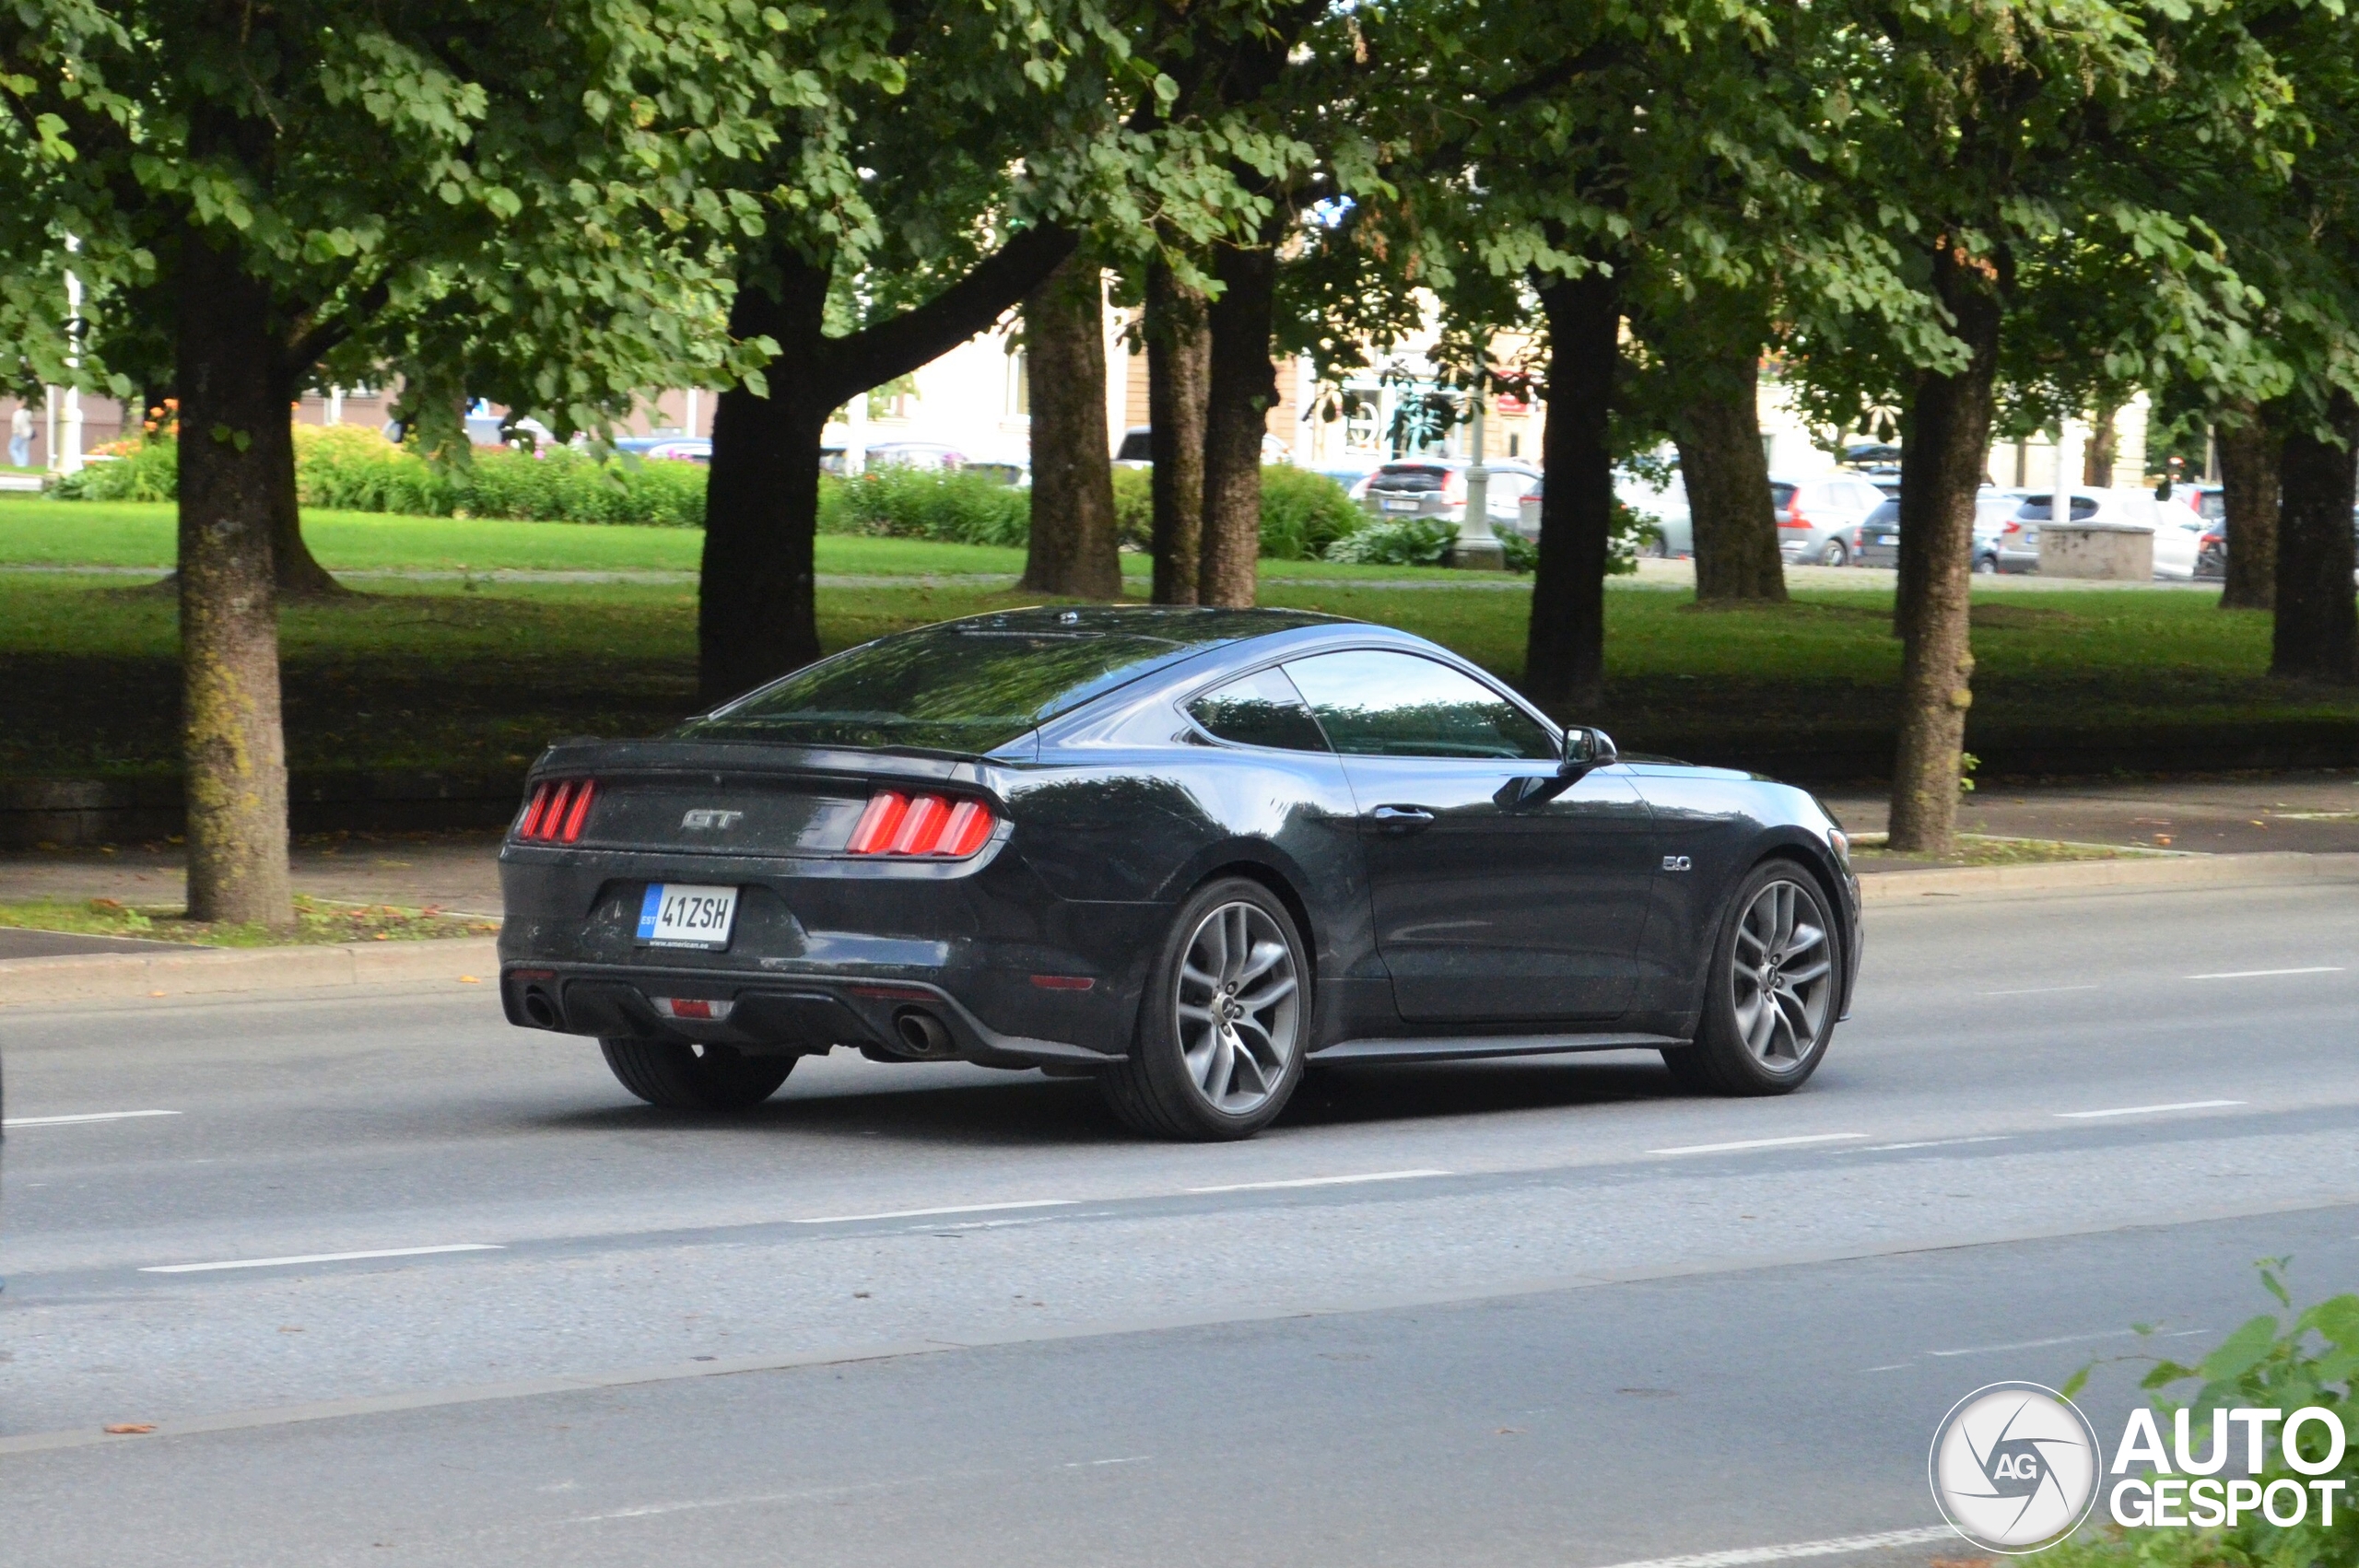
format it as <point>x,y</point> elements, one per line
<point>705,818</point>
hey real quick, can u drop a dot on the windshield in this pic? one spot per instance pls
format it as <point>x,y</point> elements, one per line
<point>971,685</point>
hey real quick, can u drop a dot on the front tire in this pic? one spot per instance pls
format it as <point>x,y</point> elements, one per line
<point>681,1077</point>
<point>1225,1022</point>
<point>1771,999</point>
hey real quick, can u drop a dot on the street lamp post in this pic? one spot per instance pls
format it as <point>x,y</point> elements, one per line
<point>1478,549</point>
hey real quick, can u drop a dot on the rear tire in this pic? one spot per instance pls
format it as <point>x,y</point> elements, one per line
<point>1773,993</point>
<point>681,1077</point>
<point>1225,1022</point>
<point>1835,554</point>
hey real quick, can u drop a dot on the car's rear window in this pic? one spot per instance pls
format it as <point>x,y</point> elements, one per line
<point>971,685</point>
<point>1780,494</point>
<point>1413,477</point>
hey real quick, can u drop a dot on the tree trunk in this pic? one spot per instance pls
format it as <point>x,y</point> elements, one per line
<point>297,573</point>
<point>1179,365</point>
<point>1072,549</point>
<point>1727,475</point>
<point>1563,659</point>
<point>2096,458</point>
<point>1941,467</point>
<point>2318,619</point>
<point>1241,386</point>
<point>2248,458</point>
<point>234,442</point>
<point>756,615</point>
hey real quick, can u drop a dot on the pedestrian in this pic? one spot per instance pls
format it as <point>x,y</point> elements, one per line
<point>20,437</point>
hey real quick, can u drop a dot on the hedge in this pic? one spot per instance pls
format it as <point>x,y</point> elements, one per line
<point>351,468</point>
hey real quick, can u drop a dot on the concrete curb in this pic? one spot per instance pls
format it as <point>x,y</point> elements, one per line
<point>2096,876</point>
<point>121,977</point>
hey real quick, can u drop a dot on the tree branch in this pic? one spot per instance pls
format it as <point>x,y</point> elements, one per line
<point>898,346</point>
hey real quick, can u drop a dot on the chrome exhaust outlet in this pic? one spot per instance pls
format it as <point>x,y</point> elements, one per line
<point>923,1037</point>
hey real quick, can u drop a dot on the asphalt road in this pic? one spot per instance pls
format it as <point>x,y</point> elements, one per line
<point>1544,1312</point>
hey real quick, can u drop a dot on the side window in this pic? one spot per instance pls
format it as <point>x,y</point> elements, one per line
<point>1378,704</point>
<point>1262,709</point>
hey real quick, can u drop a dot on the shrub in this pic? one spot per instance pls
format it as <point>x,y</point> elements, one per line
<point>2265,1365</point>
<point>139,470</point>
<point>1521,553</point>
<point>1304,514</point>
<point>1404,542</point>
<point>1134,507</point>
<point>354,469</point>
<point>909,503</point>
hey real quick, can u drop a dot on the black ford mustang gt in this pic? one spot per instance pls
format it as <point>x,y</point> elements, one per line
<point>1186,852</point>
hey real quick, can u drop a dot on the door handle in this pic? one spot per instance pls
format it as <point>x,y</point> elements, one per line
<point>1401,819</point>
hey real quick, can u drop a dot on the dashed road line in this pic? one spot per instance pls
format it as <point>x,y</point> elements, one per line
<point>1320,1181</point>
<point>1760,1143</point>
<point>85,1116</point>
<point>2149,1110</point>
<point>321,1258</point>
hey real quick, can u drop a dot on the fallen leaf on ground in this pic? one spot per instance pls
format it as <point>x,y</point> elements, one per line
<point>130,1428</point>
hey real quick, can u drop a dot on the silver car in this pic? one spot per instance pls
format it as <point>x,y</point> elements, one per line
<point>1819,519</point>
<point>1435,487</point>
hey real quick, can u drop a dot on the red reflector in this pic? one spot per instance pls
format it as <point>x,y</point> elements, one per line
<point>580,811</point>
<point>878,823</point>
<point>682,1007</point>
<point>892,993</point>
<point>969,826</point>
<point>533,811</point>
<point>1063,982</point>
<point>921,828</point>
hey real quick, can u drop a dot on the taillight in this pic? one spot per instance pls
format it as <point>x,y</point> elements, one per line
<point>557,812</point>
<point>1793,518</point>
<point>895,824</point>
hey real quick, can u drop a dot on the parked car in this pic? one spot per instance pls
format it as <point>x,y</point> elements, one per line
<point>679,449</point>
<point>1136,449</point>
<point>1435,487</point>
<point>1880,535</point>
<point>1182,851</point>
<point>1819,519</point>
<point>1675,527</point>
<point>2176,529</point>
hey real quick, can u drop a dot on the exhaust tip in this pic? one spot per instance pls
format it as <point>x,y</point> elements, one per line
<point>539,1008</point>
<point>922,1035</point>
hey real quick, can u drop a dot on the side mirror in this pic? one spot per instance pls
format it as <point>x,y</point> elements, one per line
<point>1585,749</point>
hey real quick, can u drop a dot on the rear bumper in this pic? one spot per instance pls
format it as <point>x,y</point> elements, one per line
<point>822,955</point>
<point>787,1017</point>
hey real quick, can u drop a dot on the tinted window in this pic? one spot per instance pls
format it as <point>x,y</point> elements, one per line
<point>1780,496</point>
<point>2040,508</point>
<point>1378,704</point>
<point>1137,447</point>
<point>1260,710</point>
<point>970,686</point>
<point>1413,479</point>
<point>1889,511</point>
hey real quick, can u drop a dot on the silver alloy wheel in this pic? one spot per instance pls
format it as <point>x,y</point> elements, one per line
<point>1238,1002</point>
<point>1834,555</point>
<point>1782,972</point>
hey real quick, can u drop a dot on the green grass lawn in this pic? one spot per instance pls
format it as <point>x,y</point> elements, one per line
<point>35,531</point>
<point>477,678</point>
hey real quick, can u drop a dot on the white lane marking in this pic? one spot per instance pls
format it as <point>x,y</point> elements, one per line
<point>2264,974</point>
<point>2041,990</point>
<point>87,1115</point>
<point>1835,1547</point>
<point>321,1258</point>
<point>1093,1464</point>
<point>1930,1144</point>
<point>1896,1366</point>
<point>946,1209</point>
<point>2033,1344</point>
<point>2147,1110</point>
<point>1320,1181</point>
<point>1759,1143</point>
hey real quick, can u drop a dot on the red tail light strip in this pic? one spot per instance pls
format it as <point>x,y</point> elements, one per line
<point>557,812</point>
<point>915,825</point>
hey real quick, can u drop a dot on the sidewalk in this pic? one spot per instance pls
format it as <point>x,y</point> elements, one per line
<point>2303,813</point>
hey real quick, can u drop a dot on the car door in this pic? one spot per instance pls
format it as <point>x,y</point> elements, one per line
<point>1501,888</point>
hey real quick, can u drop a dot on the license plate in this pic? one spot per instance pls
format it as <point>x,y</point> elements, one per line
<point>1402,506</point>
<point>677,914</point>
